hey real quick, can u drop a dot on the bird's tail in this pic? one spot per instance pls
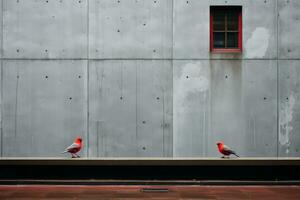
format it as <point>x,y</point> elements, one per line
<point>65,151</point>
<point>236,154</point>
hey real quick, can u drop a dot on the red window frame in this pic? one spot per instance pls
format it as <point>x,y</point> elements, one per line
<point>240,31</point>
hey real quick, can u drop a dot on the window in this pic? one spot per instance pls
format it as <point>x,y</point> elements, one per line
<point>226,28</point>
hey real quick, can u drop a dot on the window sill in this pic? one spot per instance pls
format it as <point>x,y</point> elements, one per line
<point>226,51</point>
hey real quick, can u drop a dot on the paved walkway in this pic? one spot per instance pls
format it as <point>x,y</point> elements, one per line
<point>26,192</point>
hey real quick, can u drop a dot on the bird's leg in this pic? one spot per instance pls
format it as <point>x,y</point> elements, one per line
<point>77,155</point>
<point>223,157</point>
<point>73,155</point>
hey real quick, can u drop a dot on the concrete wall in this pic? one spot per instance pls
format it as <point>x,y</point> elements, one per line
<point>136,78</point>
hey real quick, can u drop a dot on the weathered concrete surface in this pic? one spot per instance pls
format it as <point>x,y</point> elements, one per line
<point>259,103</point>
<point>260,29</point>
<point>1,28</point>
<point>1,109</point>
<point>220,100</point>
<point>130,29</point>
<point>1,51</point>
<point>289,28</point>
<point>191,107</point>
<point>191,29</point>
<point>289,108</point>
<point>130,108</point>
<point>45,29</point>
<point>154,108</point>
<point>230,97</point>
<point>44,106</point>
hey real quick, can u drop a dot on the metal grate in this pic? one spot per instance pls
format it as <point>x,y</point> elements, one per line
<point>154,190</point>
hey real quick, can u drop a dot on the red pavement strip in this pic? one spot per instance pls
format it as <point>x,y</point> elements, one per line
<point>18,192</point>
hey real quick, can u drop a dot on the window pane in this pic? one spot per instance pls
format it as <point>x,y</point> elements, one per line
<point>232,40</point>
<point>219,21</point>
<point>225,27</point>
<point>232,21</point>
<point>219,40</point>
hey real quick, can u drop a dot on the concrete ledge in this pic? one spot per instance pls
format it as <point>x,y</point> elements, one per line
<point>150,169</point>
<point>152,161</point>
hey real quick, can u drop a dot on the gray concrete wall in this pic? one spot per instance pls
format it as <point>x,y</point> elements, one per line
<point>136,78</point>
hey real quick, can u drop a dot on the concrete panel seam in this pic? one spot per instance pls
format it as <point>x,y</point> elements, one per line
<point>167,59</point>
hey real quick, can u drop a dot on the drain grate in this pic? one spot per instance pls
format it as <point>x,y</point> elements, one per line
<point>154,190</point>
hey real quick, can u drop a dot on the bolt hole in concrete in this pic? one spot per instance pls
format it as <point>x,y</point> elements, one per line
<point>144,148</point>
<point>187,76</point>
<point>70,98</point>
<point>154,51</point>
<point>187,2</point>
<point>154,1</point>
<point>287,98</point>
<point>18,50</point>
<point>46,76</point>
<point>118,31</point>
<point>226,76</point>
<point>79,76</point>
<point>47,1</point>
<point>46,50</point>
<point>157,98</point>
<point>144,122</point>
<point>18,76</point>
<point>265,98</point>
<point>121,98</point>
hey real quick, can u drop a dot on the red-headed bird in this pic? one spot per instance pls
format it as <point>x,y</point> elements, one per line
<point>74,148</point>
<point>225,150</point>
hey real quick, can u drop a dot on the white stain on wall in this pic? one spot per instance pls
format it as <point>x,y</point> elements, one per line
<point>191,90</point>
<point>193,79</point>
<point>257,45</point>
<point>286,117</point>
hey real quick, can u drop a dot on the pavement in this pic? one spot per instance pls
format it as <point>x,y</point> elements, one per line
<point>154,192</point>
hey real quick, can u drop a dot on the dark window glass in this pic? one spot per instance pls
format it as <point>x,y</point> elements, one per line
<point>225,26</point>
<point>233,21</point>
<point>232,40</point>
<point>219,24</point>
<point>219,40</point>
